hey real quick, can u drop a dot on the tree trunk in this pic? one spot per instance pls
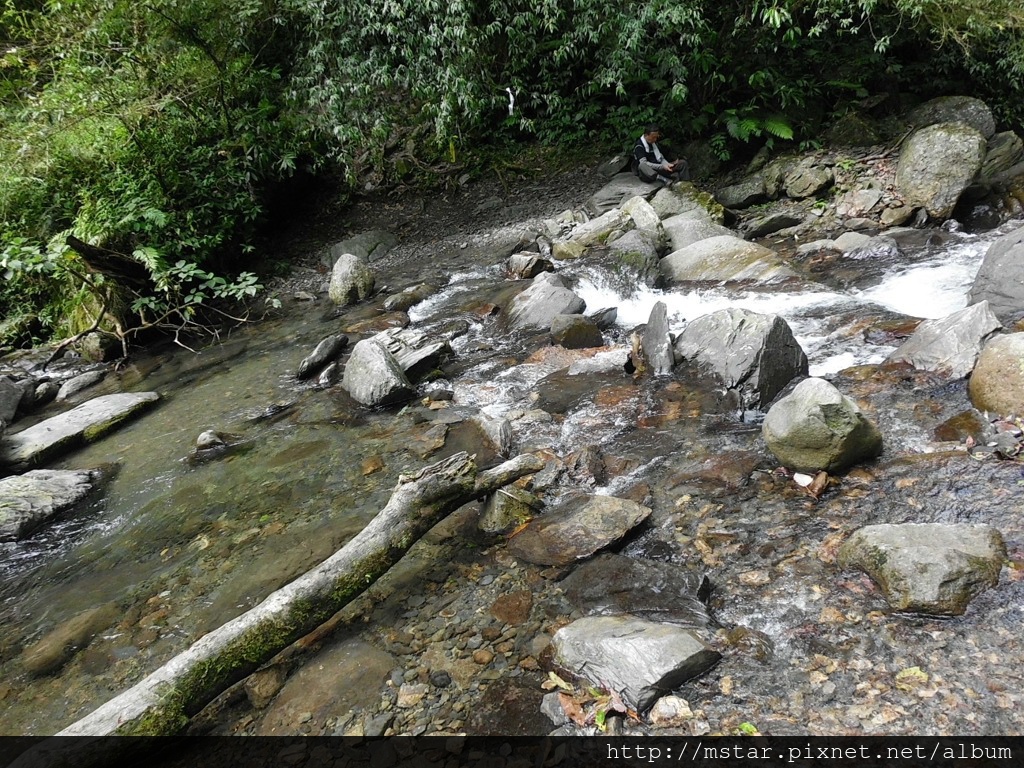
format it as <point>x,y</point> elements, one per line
<point>163,702</point>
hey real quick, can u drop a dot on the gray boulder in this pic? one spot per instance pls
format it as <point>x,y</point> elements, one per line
<point>724,259</point>
<point>955,109</point>
<point>744,194</point>
<point>351,280</point>
<point>997,382</point>
<point>409,297</point>
<point>368,247</point>
<point>639,659</point>
<point>611,584</point>
<point>754,355</point>
<point>603,229</point>
<point>577,529</point>
<point>1004,151</point>
<point>621,188</point>
<point>603,362</point>
<point>536,307</point>
<point>79,383</point>
<point>656,344</point>
<point>643,215</point>
<point>762,226</point>
<point>683,230</point>
<point>937,164</point>
<point>415,352</point>
<point>526,266</point>
<point>322,355</point>
<point>949,345</point>
<point>575,332</point>
<point>817,427</point>
<point>373,377</point>
<point>633,258</point>
<point>686,198</point>
<point>927,568</point>
<point>84,424</point>
<point>1000,279</point>
<point>808,180</point>
<point>28,501</point>
<point>11,394</point>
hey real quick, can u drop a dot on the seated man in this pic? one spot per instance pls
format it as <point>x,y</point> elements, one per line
<point>650,164</point>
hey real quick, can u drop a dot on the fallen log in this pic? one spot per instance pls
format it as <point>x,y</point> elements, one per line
<point>162,703</point>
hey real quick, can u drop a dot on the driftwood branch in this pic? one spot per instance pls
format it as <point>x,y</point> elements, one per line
<point>163,702</point>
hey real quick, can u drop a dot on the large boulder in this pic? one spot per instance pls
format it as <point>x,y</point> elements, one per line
<point>545,298</point>
<point>643,215</point>
<point>656,344</point>
<point>927,568</point>
<point>28,501</point>
<point>368,247</point>
<point>955,109</point>
<point>743,194</point>
<point>724,259</point>
<point>575,332</point>
<point>754,355</point>
<point>808,180</point>
<point>84,424</point>
<point>1004,151</point>
<point>685,198</point>
<point>638,659</point>
<point>577,529</point>
<point>949,345</point>
<point>351,280</point>
<point>817,427</point>
<point>11,394</point>
<point>618,190</point>
<point>936,165</point>
<point>1000,279</point>
<point>416,352</point>
<point>684,229</point>
<point>603,229</point>
<point>633,259</point>
<point>997,383</point>
<point>373,377</point>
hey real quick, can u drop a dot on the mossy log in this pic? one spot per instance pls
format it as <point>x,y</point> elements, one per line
<point>163,703</point>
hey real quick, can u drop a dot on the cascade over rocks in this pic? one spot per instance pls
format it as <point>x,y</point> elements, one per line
<point>641,660</point>
<point>1000,279</point>
<point>936,165</point>
<point>997,383</point>
<point>928,568</point>
<point>949,345</point>
<point>753,354</point>
<point>816,427</point>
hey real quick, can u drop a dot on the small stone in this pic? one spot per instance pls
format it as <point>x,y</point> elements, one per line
<point>409,695</point>
<point>490,634</point>
<point>440,678</point>
<point>483,657</point>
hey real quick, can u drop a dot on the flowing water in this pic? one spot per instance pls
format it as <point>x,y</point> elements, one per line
<point>180,546</point>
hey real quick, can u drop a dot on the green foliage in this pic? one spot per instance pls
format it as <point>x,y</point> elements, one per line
<point>158,129</point>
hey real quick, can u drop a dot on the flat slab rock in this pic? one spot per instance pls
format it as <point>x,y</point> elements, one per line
<point>611,584</point>
<point>28,501</point>
<point>927,568</point>
<point>641,660</point>
<point>84,424</point>
<point>577,529</point>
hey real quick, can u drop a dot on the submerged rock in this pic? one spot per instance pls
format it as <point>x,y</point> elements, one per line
<point>817,427</point>
<point>576,529</point>
<point>640,660</point>
<point>928,568</point>
<point>611,584</point>
<point>58,646</point>
<point>754,355</point>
